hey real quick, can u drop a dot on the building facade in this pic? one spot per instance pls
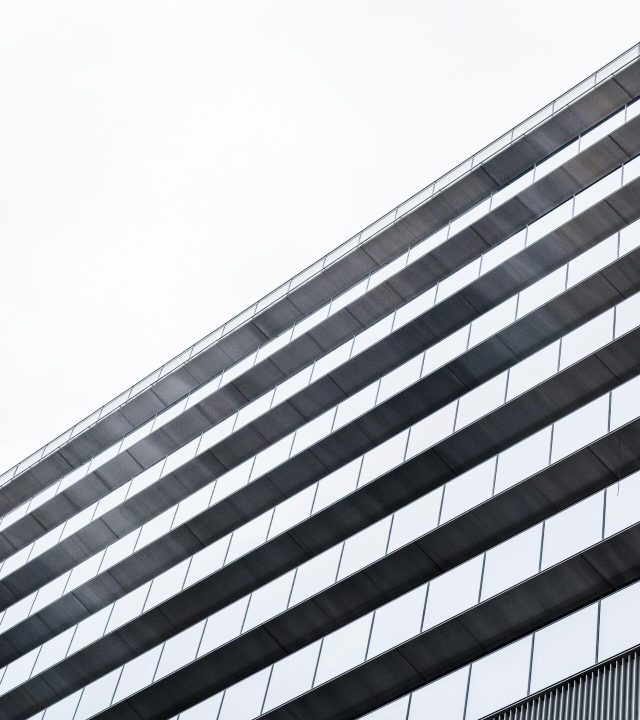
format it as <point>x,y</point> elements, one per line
<point>403,486</point>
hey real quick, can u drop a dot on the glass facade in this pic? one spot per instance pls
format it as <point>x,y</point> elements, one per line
<point>414,494</point>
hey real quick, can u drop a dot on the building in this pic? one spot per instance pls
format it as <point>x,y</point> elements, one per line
<point>405,483</point>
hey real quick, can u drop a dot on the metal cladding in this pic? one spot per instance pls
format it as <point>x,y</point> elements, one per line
<point>405,484</point>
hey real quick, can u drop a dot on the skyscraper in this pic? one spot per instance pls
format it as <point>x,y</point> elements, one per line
<point>405,485</point>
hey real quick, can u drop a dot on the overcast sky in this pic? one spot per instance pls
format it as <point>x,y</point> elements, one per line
<point>164,164</point>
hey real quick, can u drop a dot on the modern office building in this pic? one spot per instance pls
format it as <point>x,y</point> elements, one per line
<point>403,486</point>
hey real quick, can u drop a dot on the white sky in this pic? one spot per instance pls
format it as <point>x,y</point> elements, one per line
<point>164,164</point>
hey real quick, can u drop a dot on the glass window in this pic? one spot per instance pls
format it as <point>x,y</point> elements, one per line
<point>244,700</point>
<point>523,459</point>
<point>18,671</point>
<point>599,190</point>
<point>17,612</point>
<point>268,601</point>
<point>180,456</point>
<point>137,673</point>
<point>53,651</point>
<point>128,607</point>
<point>619,622</point>
<point>365,547</point>
<point>393,711</point>
<point>62,710</point>
<point>564,648</point>
<point>624,403</point>
<point>215,434</point>
<point>356,405</point>
<point>119,550</point>
<point>601,130</point>
<point>397,621</point>
<point>468,490</point>
<point>505,250</point>
<point>580,427</point>
<point>499,679</point>
<point>45,542</point>
<point>443,699</point>
<point>630,237</point>
<point>272,346</point>
<point>193,505</point>
<point>84,517</point>
<point>383,458</point>
<point>623,504</point>
<point>348,296</point>
<point>336,485</point>
<point>223,626</point>
<point>552,220</point>
<point>585,339</point>
<point>207,561</point>
<point>453,592</point>
<point>400,378</point>
<point>97,696</point>
<point>469,217</point>
<point>430,430</point>
<point>206,710</point>
<point>445,350</point>
<point>13,562</point>
<point>300,328</point>
<point>292,676</point>
<point>254,409</point>
<point>159,526</point>
<point>415,519</point>
<point>573,529</point>
<point>542,291</point>
<point>331,360</point>
<point>90,629</point>
<point>458,280</point>
<point>314,431</point>
<point>492,321</point>
<point>429,243</point>
<point>85,571</point>
<point>292,511</point>
<point>343,649</point>
<point>593,259</point>
<point>372,335</point>
<point>238,368</point>
<point>533,370</point>
<point>179,650</point>
<point>166,584</point>
<point>414,308</point>
<point>146,478</point>
<point>249,536</point>
<point>108,502</point>
<point>481,400</point>
<point>512,561</point>
<point>387,271</point>
<point>292,385</point>
<point>556,160</point>
<point>316,574</point>
<point>204,391</point>
<point>233,480</point>
<point>512,189</point>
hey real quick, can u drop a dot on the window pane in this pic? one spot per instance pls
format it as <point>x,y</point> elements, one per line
<point>499,679</point>
<point>343,649</point>
<point>337,485</point>
<point>243,701</point>
<point>431,430</point>
<point>523,459</point>
<point>512,561</point>
<point>383,458</point>
<point>292,676</point>
<point>442,699</point>
<point>249,536</point>
<point>564,648</point>
<point>572,530</point>
<point>223,625</point>
<point>316,574</point>
<point>365,547</point>
<point>97,695</point>
<point>623,504</point>
<point>533,370</point>
<point>588,337</point>
<point>579,428</point>
<point>481,400</point>
<point>267,601</point>
<point>292,511</point>
<point>179,650</point>
<point>400,378</point>
<point>415,519</point>
<point>397,621</point>
<point>453,592</point>
<point>619,622</point>
<point>468,490</point>
<point>137,673</point>
<point>394,711</point>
